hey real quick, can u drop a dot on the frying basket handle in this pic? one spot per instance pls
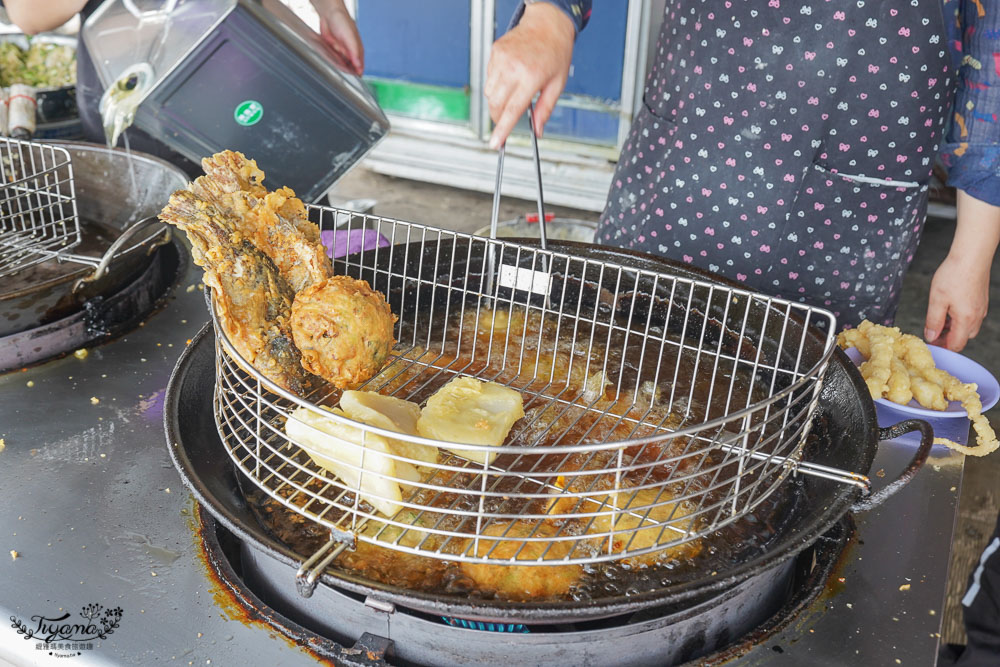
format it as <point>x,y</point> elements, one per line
<point>916,463</point>
<point>114,249</point>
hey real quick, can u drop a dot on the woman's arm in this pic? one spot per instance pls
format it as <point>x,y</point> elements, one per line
<point>533,56</point>
<point>340,33</point>
<point>960,289</point>
<point>971,151</point>
<point>32,16</point>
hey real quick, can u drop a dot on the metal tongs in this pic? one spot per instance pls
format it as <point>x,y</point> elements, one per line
<point>516,277</point>
<point>538,178</point>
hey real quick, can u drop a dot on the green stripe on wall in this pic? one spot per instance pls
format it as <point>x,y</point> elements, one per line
<point>421,100</point>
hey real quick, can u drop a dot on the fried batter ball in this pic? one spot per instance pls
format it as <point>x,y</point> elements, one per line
<point>523,582</point>
<point>344,330</point>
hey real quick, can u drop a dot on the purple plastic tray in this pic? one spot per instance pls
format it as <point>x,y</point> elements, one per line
<point>342,242</point>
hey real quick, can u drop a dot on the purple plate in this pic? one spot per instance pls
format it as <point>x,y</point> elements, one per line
<point>961,367</point>
<point>952,423</point>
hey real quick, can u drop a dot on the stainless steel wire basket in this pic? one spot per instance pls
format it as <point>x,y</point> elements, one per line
<point>658,408</point>
<point>38,216</point>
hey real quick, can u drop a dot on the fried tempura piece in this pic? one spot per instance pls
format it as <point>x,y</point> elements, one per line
<point>855,338</point>
<point>877,370</point>
<point>928,394</point>
<point>644,518</point>
<point>254,302</point>
<point>344,330</point>
<point>967,395</point>
<point>275,222</point>
<point>651,518</point>
<point>522,582</point>
<point>899,390</point>
<point>929,385</point>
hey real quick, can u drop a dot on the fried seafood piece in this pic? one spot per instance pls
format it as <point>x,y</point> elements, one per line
<point>254,302</point>
<point>344,330</point>
<point>900,385</point>
<point>394,567</point>
<point>648,518</point>
<point>641,519</point>
<point>276,222</point>
<point>522,582</point>
<point>928,394</point>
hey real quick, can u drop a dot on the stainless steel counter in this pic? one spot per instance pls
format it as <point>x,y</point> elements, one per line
<point>97,515</point>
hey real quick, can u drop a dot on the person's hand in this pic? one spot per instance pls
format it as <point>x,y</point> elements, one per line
<point>339,31</point>
<point>960,289</point>
<point>33,17</point>
<point>533,56</point>
<point>960,294</point>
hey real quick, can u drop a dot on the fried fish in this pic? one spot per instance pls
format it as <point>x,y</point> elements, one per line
<point>254,301</point>
<point>276,222</point>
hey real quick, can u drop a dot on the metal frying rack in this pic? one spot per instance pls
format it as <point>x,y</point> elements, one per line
<point>658,408</point>
<point>38,212</point>
<point>38,218</point>
<point>654,458</point>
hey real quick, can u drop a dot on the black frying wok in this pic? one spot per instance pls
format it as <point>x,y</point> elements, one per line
<point>107,205</point>
<point>845,436</point>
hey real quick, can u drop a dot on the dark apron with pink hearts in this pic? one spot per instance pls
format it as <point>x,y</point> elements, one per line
<point>788,145</point>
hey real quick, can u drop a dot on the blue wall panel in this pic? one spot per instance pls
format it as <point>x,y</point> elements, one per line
<point>425,41</point>
<point>599,54</point>
<point>578,124</point>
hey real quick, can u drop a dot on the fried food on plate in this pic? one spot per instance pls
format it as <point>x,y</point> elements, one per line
<point>344,330</point>
<point>473,412</point>
<point>361,460</point>
<point>254,302</point>
<point>889,353</point>
<point>522,582</point>
<point>878,369</point>
<point>275,222</point>
<point>900,388</point>
<point>392,414</point>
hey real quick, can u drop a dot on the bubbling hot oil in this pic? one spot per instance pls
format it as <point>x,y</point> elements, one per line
<point>581,385</point>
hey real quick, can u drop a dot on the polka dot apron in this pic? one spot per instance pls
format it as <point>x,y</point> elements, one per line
<point>788,145</point>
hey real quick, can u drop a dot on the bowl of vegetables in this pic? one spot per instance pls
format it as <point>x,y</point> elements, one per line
<point>46,62</point>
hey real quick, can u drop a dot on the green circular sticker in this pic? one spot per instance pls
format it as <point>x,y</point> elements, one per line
<point>248,112</point>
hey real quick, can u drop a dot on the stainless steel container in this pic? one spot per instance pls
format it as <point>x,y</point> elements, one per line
<point>245,75</point>
<point>559,229</point>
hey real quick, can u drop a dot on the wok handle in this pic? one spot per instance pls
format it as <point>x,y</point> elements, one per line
<point>919,458</point>
<point>113,250</point>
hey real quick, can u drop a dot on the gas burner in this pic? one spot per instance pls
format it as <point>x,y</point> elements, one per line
<point>354,629</point>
